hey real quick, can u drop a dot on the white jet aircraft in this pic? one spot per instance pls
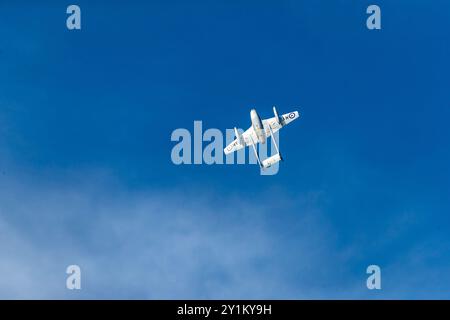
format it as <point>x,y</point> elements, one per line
<point>258,132</point>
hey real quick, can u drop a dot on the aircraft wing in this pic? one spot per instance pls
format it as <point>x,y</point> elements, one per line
<point>276,125</point>
<point>248,138</point>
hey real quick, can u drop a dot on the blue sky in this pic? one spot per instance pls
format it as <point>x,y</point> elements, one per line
<point>86,175</point>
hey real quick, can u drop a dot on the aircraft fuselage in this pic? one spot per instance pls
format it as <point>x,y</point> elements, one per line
<point>258,126</point>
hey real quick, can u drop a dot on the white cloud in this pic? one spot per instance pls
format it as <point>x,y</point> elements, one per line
<point>151,244</point>
<point>184,244</point>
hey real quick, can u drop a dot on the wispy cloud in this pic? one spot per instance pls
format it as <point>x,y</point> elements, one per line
<point>151,244</point>
<point>184,244</point>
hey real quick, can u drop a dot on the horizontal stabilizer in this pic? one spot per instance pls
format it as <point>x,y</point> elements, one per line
<point>271,160</point>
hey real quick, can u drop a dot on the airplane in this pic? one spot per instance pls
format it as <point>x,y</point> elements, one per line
<point>259,132</point>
